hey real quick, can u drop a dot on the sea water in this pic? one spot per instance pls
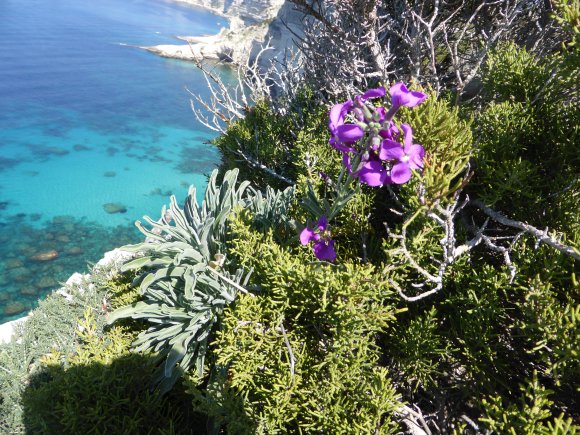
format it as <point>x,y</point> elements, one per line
<point>94,133</point>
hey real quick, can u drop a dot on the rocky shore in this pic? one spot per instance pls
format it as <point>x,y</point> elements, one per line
<point>253,24</point>
<point>111,261</point>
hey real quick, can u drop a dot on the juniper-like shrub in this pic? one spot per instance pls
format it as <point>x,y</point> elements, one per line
<point>395,263</point>
<point>473,318</point>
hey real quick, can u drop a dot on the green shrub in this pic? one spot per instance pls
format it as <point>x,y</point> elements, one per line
<point>300,357</point>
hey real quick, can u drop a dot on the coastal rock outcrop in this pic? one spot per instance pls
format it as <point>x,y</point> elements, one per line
<point>253,24</point>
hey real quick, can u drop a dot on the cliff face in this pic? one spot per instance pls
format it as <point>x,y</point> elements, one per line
<point>242,12</point>
<point>253,24</point>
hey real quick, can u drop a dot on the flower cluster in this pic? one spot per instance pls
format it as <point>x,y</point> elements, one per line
<point>323,245</point>
<point>368,137</point>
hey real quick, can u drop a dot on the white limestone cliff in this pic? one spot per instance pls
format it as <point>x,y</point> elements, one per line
<point>253,24</point>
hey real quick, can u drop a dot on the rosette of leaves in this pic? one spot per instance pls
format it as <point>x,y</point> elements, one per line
<point>182,278</point>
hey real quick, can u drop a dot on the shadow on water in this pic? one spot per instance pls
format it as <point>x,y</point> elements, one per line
<point>35,259</point>
<point>112,398</point>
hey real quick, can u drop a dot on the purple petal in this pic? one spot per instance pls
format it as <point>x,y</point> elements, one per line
<point>375,93</point>
<point>391,150</point>
<point>337,114</point>
<point>372,173</point>
<point>349,133</point>
<point>396,91</point>
<point>416,154</point>
<point>382,113</point>
<point>322,223</point>
<point>339,146</point>
<point>307,235</point>
<point>408,134</point>
<point>401,96</point>
<point>392,132</point>
<point>324,250</point>
<point>401,173</point>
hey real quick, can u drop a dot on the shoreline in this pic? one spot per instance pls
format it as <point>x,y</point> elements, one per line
<point>111,260</point>
<point>248,30</point>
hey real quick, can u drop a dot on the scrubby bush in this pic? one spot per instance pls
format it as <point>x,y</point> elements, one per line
<point>418,275</point>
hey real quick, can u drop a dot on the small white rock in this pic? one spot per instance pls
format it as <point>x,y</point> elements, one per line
<point>77,279</point>
<point>114,258</point>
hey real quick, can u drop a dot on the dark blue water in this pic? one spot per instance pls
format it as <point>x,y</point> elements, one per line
<point>90,125</point>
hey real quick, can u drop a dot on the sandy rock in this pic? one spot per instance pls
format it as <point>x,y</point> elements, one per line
<point>7,329</point>
<point>45,256</point>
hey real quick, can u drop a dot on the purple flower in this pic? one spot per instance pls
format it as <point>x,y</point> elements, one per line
<point>337,114</point>
<point>343,134</point>
<point>324,250</point>
<point>392,132</point>
<point>374,93</point>
<point>323,245</point>
<point>373,173</point>
<point>349,133</point>
<point>408,157</point>
<point>401,96</point>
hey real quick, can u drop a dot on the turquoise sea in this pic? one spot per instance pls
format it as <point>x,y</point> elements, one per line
<point>94,133</point>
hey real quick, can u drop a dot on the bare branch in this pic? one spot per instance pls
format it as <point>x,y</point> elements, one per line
<point>541,236</point>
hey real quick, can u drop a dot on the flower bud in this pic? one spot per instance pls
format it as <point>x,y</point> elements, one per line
<point>367,113</point>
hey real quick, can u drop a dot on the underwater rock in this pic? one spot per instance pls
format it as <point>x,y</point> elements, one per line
<point>65,219</point>
<point>158,191</point>
<point>12,308</point>
<point>75,250</point>
<point>13,263</point>
<point>79,147</point>
<point>110,174</point>
<point>63,238</point>
<point>28,291</point>
<point>114,207</point>
<point>57,151</point>
<point>45,256</point>
<point>21,277</point>
<point>47,281</point>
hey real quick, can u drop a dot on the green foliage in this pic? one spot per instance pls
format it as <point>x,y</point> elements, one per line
<point>332,348</point>
<point>266,136</point>
<point>100,388</point>
<point>530,416</point>
<point>567,15</point>
<point>417,350</point>
<point>448,143</point>
<point>51,326</point>
<point>527,158</point>
<point>300,357</point>
<point>183,292</point>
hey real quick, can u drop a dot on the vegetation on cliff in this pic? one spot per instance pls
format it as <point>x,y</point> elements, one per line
<point>405,262</point>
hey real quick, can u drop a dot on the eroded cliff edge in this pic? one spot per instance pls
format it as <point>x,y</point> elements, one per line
<point>252,25</point>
